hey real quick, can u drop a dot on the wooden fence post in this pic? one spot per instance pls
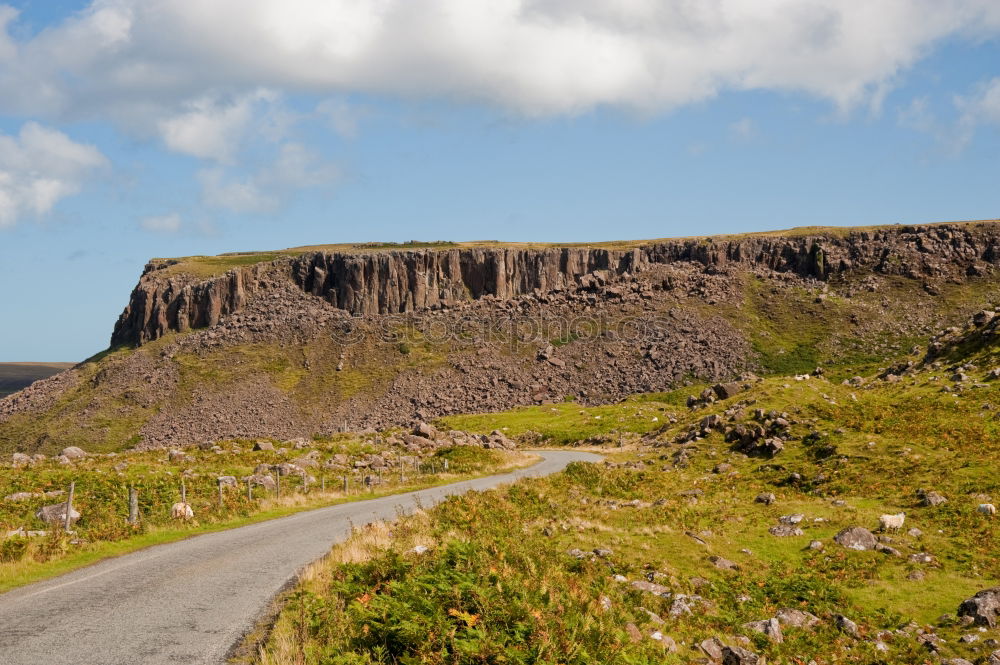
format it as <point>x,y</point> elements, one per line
<point>346,486</point>
<point>69,505</point>
<point>184,494</point>
<point>133,506</point>
<point>323,484</point>
<point>249,490</point>
<point>277,483</point>
<point>221,502</point>
<point>305,484</point>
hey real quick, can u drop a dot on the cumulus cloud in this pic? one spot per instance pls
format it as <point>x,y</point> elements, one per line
<point>162,224</point>
<point>536,57</point>
<point>208,128</point>
<point>39,167</point>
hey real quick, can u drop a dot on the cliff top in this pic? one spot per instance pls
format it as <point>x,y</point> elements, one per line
<point>208,266</point>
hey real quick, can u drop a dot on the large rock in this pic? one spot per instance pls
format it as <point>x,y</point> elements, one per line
<point>262,480</point>
<point>791,617</point>
<point>727,390</point>
<point>771,628</point>
<point>741,656</point>
<point>73,453</point>
<point>930,498</point>
<point>856,538</point>
<point>55,514</point>
<point>20,460</point>
<point>984,607</point>
<point>425,430</point>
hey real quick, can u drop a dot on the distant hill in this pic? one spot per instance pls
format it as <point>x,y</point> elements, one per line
<point>15,376</point>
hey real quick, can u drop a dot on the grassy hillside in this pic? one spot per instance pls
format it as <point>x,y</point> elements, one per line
<point>790,330</point>
<point>666,545</point>
<point>15,376</point>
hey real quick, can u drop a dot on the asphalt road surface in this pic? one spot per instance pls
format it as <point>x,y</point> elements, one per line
<point>191,601</point>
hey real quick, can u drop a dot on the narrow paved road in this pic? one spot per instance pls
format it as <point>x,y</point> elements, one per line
<point>189,602</point>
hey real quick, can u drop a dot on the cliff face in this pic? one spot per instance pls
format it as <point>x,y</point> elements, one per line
<point>404,281</point>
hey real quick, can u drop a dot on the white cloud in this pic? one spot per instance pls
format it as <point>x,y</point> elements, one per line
<point>38,168</point>
<point>212,129</point>
<point>536,57</point>
<point>163,224</point>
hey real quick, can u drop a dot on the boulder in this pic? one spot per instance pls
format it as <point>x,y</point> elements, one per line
<point>20,496</point>
<point>771,628</point>
<point>226,481</point>
<point>262,480</point>
<point>651,587</point>
<point>55,514</point>
<point>306,462</point>
<point>740,656</point>
<point>984,608</point>
<point>20,460</point>
<point>727,390</point>
<point>712,648</point>
<point>498,441</point>
<point>793,618</point>
<point>723,563</point>
<point>767,498</point>
<point>846,625</point>
<point>73,453</point>
<point>263,445</point>
<point>856,538</point>
<point>424,430</point>
<point>931,498</point>
<point>785,531</point>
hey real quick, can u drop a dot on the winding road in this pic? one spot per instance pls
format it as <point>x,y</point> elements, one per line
<point>191,601</point>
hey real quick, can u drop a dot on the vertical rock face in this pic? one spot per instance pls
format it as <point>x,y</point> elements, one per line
<point>403,281</point>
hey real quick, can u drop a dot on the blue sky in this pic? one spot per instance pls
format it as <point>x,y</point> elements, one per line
<point>131,130</point>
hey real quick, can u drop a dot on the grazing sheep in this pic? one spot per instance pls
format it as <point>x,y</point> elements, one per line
<point>987,509</point>
<point>181,511</point>
<point>891,522</point>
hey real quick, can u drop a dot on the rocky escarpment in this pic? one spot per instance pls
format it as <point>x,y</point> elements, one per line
<point>405,281</point>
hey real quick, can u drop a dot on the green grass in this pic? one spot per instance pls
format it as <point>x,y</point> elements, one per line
<point>101,501</point>
<point>497,580</point>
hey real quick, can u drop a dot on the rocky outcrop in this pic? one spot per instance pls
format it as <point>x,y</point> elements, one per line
<point>404,281</point>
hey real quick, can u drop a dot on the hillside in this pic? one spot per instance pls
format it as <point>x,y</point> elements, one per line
<point>16,376</point>
<point>307,341</point>
<point>738,524</point>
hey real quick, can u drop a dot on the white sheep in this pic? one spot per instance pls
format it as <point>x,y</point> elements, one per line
<point>181,511</point>
<point>987,509</point>
<point>891,522</point>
